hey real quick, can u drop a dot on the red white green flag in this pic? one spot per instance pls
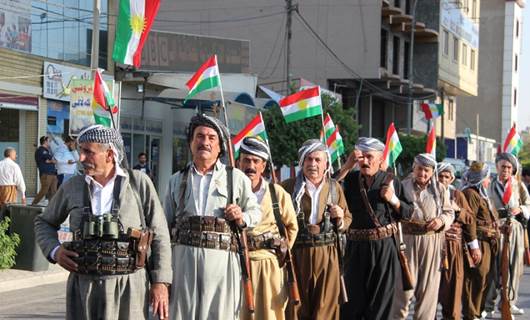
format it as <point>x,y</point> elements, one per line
<point>431,141</point>
<point>392,146</point>
<point>256,127</point>
<point>207,77</point>
<point>301,105</point>
<point>432,110</point>
<point>513,143</point>
<point>335,145</point>
<point>329,126</point>
<point>104,101</point>
<point>135,19</point>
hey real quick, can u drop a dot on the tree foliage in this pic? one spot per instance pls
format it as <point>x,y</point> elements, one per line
<point>286,138</point>
<point>8,244</point>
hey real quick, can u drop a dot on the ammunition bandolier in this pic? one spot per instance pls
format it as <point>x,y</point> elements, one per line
<point>316,235</point>
<point>102,246</point>
<point>201,231</point>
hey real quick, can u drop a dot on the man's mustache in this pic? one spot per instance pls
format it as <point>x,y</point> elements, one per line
<point>250,171</point>
<point>204,147</point>
<point>87,165</point>
<point>365,166</point>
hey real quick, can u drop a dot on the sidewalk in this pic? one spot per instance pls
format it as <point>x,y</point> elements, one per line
<point>14,279</point>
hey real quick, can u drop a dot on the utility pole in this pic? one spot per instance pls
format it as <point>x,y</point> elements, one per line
<point>411,68</point>
<point>288,27</point>
<point>94,59</point>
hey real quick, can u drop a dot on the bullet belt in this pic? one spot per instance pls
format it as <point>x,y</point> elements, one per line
<point>267,241</point>
<point>383,232</point>
<point>418,228</point>
<point>304,240</point>
<point>202,223</point>
<point>103,257</point>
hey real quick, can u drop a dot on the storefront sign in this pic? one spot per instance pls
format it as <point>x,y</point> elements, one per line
<point>456,22</point>
<point>165,51</point>
<point>15,24</point>
<point>58,77</point>
<point>83,106</point>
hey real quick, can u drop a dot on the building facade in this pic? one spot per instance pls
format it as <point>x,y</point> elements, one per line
<point>492,113</point>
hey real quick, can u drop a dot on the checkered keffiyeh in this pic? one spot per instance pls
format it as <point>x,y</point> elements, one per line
<point>103,135</point>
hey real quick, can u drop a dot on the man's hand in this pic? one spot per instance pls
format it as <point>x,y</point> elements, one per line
<point>336,212</point>
<point>23,200</point>
<point>387,192</point>
<point>476,255</point>
<point>63,258</point>
<point>353,158</point>
<point>434,225</point>
<point>159,297</point>
<point>516,211</point>
<point>234,213</point>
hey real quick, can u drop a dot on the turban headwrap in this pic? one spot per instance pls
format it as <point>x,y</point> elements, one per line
<point>475,175</point>
<point>426,160</point>
<point>369,144</point>
<point>103,135</point>
<point>447,167</point>
<point>255,146</point>
<point>510,158</point>
<point>202,120</point>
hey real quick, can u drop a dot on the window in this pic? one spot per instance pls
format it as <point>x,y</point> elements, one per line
<point>450,113</point>
<point>395,56</point>
<point>517,28</point>
<point>464,54</point>
<point>516,62</point>
<point>446,42</point>
<point>455,48</point>
<point>515,97</point>
<point>472,60</point>
<point>407,6</point>
<point>384,48</point>
<point>397,3</point>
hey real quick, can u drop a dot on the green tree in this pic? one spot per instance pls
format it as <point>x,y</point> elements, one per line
<point>286,138</point>
<point>412,146</point>
<point>524,154</point>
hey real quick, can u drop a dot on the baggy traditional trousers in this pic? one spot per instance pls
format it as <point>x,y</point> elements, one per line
<point>451,285</point>
<point>424,254</point>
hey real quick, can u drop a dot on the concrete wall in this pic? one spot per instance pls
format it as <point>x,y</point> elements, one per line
<point>350,28</point>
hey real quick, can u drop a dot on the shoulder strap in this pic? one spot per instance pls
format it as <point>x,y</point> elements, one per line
<point>116,196</point>
<point>182,190</point>
<point>522,193</point>
<point>230,183</point>
<point>366,201</point>
<point>276,210</point>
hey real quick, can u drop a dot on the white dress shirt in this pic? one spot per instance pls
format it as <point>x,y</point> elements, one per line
<point>11,175</point>
<point>200,184</point>
<point>261,192</point>
<point>314,193</point>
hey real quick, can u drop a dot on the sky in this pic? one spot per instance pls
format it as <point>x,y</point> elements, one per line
<point>524,76</point>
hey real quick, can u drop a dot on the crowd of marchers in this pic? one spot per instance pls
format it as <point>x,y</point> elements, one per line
<point>233,243</point>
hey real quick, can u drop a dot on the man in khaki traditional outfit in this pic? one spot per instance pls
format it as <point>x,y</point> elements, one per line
<point>104,281</point>
<point>461,242</point>
<point>265,241</point>
<point>201,201</point>
<point>519,208</point>
<point>424,238</point>
<point>11,178</point>
<point>476,182</point>
<point>319,202</point>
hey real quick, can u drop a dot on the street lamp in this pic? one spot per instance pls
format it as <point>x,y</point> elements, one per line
<point>411,69</point>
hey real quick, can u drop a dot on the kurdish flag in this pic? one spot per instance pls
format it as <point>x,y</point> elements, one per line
<point>256,127</point>
<point>335,145</point>
<point>103,101</point>
<point>303,104</point>
<point>329,126</point>
<point>135,19</point>
<point>432,110</point>
<point>431,141</point>
<point>392,146</point>
<point>513,142</point>
<point>207,77</point>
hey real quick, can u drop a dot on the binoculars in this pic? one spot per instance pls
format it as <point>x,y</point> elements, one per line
<point>104,226</point>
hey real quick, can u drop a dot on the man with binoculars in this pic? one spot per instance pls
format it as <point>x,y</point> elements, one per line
<point>116,218</point>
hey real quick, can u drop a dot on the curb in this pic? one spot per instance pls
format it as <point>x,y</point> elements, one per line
<point>33,281</point>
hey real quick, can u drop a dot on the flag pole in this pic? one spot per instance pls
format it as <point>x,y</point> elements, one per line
<point>225,112</point>
<point>109,109</point>
<point>330,171</point>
